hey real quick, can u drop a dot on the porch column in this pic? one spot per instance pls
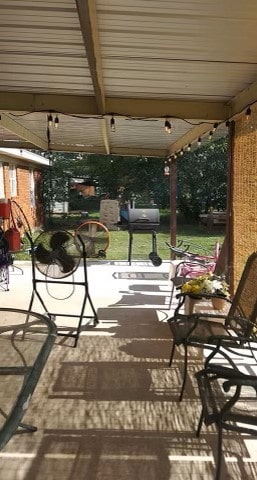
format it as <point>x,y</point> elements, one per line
<point>173,202</point>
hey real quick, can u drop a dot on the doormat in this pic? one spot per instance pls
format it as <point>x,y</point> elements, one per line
<point>141,275</point>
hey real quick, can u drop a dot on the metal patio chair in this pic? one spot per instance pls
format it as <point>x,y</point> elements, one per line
<point>233,331</point>
<point>26,340</point>
<point>228,398</point>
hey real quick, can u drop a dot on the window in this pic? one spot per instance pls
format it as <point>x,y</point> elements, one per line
<point>32,188</point>
<point>2,192</point>
<point>13,180</point>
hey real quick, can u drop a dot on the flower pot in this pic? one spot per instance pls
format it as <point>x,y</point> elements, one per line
<point>218,303</point>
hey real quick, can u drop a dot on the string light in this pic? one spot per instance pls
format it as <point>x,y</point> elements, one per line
<point>56,122</point>
<point>167,126</point>
<point>50,120</point>
<point>112,124</point>
<point>248,113</point>
<point>166,170</point>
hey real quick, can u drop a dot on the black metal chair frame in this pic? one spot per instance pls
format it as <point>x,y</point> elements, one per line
<point>233,331</point>
<point>224,416</point>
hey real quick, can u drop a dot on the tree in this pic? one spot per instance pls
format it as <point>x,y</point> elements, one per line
<point>202,179</point>
<point>140,177</point>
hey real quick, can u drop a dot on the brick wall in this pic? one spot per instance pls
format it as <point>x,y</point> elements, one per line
<point>34,214</point>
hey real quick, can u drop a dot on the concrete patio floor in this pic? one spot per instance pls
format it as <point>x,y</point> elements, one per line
<point>108,409</point>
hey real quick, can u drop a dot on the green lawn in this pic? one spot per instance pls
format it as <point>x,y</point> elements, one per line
<point>142,242</point>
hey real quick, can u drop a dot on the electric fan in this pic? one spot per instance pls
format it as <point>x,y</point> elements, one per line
<point>56,254</point>
<point>95,237</point>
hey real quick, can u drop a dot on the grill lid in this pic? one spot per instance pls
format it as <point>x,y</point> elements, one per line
<point>144,216</point>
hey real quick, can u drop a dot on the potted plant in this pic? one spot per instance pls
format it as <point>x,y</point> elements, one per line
<point>209,285</point>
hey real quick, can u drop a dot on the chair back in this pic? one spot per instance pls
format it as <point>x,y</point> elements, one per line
<point>244,302</point>
<point>199,264</point>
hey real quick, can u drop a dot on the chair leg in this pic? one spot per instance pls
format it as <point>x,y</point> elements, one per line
<point>219,452</point>
<point>172,353</point>
<point>171,295</point>
<point>184,374</point>
<point>200,424</point>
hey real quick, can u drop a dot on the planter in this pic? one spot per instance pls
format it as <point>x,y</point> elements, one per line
<point>218,303</point>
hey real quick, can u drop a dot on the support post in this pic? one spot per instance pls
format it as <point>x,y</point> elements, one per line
<point>173,203</point>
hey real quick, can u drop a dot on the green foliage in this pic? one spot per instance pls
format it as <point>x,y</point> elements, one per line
<point>202,180</point>
<point>130,177</point>
<point>119,177</point>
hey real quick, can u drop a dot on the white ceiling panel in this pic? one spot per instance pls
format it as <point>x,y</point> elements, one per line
<point>191,61</point>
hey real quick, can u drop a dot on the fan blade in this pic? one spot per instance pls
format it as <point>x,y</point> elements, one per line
<point>58,239</point>
<point>66,261</point>
<point>43,255</point>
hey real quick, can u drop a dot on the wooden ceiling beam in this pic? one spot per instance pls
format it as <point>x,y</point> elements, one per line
<point>22,132</point>
<point>105,136</point>
<point>161,108</point>
<point>242,100</point>
<point>89,29</point>
<point>131,107</point>
<point>37,102</point>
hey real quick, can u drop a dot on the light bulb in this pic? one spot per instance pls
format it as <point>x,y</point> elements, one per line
<point>248,113</point>
<point>112,123</point>
<point>189,147</point>
<point>199,142</point>
<point>167,126</point>
<point>56,122</point>
<point>50,120</point>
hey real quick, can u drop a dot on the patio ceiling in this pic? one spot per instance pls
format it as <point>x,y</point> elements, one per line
<point>190,61</point>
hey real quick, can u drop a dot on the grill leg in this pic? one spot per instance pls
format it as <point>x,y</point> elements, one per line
<point>130,247</point>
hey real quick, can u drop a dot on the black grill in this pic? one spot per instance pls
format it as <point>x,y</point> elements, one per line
<point>143,219</point>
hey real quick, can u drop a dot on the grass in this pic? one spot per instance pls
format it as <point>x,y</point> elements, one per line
<point>193,235</point>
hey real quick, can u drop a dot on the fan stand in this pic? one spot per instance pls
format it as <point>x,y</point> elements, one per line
<point>86,299</point>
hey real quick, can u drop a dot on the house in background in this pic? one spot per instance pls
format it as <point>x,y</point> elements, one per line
<point>20,181</point>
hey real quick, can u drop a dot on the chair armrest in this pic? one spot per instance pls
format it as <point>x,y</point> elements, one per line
<point>233,377</point>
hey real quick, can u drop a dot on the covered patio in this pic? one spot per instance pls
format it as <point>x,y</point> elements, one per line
<point>146,79</point>
<point>141,78</point>
<point>109,408</point>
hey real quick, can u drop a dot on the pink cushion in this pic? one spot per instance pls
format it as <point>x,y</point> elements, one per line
<point>193,270</point>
